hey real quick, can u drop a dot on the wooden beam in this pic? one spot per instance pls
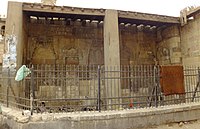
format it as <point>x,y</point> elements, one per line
<point>149,17</point>
<point>193,11</point>
<point>37,7</point>
<point>138,18</point>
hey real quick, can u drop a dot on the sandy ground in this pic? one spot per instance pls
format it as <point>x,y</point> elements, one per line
<point>180,125</point>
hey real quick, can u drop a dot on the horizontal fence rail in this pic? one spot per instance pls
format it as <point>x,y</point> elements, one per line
<point>61,88</point>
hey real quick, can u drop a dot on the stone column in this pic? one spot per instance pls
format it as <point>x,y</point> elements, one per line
<point>111,38</point>
<point>14,29</point>
<point>13,48</point>
<point>112,57</point>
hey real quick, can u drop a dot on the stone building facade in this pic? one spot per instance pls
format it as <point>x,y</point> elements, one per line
<point>49,34</point>
<point>59,35</point>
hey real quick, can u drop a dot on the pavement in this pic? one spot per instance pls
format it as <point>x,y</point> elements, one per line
<point>180,125</point>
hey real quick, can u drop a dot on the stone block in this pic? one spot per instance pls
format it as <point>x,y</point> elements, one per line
<point>176,54</point>
<point>169,32</point>
<point>23,119</point>
<point>176,60</point>
<point>47,91</point>
<point>36,118</point>
<point>84,88</point>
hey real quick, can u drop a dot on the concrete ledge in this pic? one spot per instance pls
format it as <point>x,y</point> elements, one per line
<point>124,119</point>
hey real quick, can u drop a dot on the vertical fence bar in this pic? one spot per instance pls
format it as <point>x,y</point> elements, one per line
<point>196,88</point>
<point>7,90</point>
<point>32,94</point>
<point>99,88</point>
<point>158,96</point>
<point>156,85</point>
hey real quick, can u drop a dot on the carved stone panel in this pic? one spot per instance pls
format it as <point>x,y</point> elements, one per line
<point>41,50</point>
<point>96,54</point>
<point>71,56</point>
<point>64,44</point>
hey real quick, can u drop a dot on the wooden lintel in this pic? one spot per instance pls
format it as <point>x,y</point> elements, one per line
<point>149,17</point>
<point>140,18</point>
<point>36,7</point>
<point>193,12</point>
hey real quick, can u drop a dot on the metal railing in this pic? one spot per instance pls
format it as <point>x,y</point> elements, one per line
<point>60,88</point>
<point>11,92</point>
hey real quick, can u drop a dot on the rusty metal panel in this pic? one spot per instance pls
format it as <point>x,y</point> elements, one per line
<point>172,80</point>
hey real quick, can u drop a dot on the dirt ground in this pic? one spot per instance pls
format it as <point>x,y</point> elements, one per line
<point>180,125</point>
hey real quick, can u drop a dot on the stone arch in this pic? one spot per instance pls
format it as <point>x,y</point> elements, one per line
<point>42,50</point>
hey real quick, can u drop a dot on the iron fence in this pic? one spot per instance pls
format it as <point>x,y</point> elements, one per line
<point>12,92</point>
<point>61,88</point>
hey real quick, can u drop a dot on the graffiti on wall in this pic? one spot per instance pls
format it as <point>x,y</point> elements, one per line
<point>9,58</point>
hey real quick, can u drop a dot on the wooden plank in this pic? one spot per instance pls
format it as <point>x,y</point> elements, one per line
<point>192,12</point>
<point>149,17</point>
<point>140,17</point>
<point>37,7</point>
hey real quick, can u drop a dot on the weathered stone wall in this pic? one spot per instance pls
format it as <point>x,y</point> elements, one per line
<point>190,42</point>
<point>168,48</point>
<point>77,44</point>
<point>61,43</point>
<point>2,22</point>
<point>58,43</point>
<point>140,46</point>
<point>137,46</point>
<point>1,50</point>
<point>55,42</point>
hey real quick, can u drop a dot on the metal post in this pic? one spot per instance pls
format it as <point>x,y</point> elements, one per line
<point>159,86</point>
<point>8,85</point>
<point>156,85</point>
<point>196,88</point>
<point>99,88</point>
<point>32,95</point>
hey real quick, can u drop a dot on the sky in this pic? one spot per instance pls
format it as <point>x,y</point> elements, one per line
<point>162,7</point>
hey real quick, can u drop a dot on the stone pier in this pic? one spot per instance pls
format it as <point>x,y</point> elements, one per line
<point>112,55</point>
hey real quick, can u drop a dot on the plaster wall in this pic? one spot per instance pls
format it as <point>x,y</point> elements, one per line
<point>190,42</point>
<point>14,26</point>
